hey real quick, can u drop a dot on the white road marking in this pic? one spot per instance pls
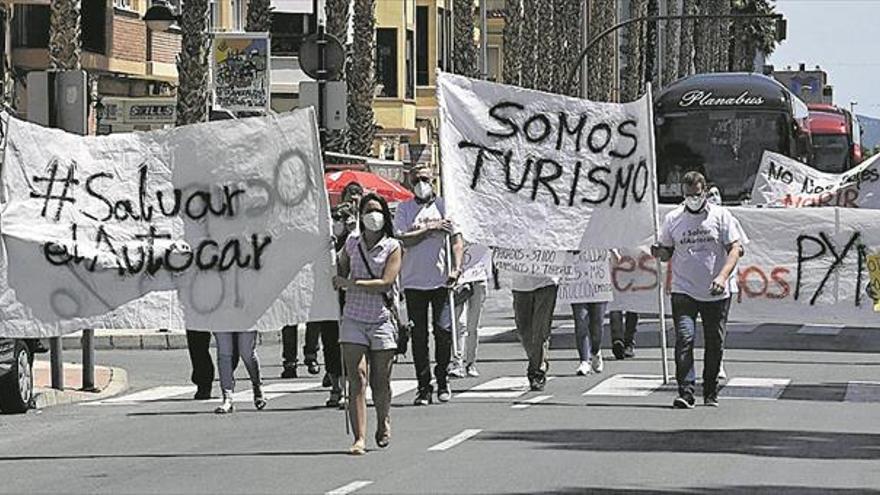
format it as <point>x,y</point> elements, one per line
<point>398,387</point>
<point>349,488</point>
<point>505,387</point>
<point>741,327</point>
<point>274,390</point>
<point>628,386</point>
<point>857,391</point>
<point>492,331</point>
<point>452,442</point>
<point>821,329</point>
<point>754,388</point>
<point>149,395</point>
<point>531,402</point>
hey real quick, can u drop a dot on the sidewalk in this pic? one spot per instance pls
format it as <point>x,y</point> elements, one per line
<point>149,339</point>
<point>109,381</point>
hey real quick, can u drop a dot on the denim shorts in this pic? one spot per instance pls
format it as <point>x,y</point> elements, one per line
<point>375,336</point>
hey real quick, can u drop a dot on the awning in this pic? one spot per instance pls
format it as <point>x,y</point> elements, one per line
<point>293,6</point>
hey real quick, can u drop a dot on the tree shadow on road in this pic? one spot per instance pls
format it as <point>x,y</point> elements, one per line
<point>171,455</point>
<point>761,443</point>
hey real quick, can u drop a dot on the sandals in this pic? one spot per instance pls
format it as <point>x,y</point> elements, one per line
<point>358,448</point>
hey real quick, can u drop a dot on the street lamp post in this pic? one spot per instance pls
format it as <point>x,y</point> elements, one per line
<point>781,27</point>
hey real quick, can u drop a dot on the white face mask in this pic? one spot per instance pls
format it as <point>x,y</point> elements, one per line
<point>423,190</point>
<point>695,203</point>
<point>373,221</point>
<point>714,197</point>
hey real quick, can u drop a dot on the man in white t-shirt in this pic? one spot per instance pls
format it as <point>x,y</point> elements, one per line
<point>704,244</point>
<point>422,227</point>
<point>533,301</point>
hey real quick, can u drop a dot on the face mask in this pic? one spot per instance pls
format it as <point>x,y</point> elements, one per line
<point>374,221</point>
<point>423,190</point>
<point>338,228</point>
<point>694,203</point>
<point>714,197</point>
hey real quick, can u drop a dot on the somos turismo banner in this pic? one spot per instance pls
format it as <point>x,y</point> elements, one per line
<point>788,183</point>
<point>219,226</point>
<point>526,169</point>
<point>240,71</point>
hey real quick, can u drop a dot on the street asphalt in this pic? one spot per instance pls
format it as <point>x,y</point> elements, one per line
<point>790,421</point>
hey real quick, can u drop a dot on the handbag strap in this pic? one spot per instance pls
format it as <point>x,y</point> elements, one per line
<point>385,297</point>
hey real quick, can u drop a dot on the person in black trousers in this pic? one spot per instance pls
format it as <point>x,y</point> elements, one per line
<point>198,344</point>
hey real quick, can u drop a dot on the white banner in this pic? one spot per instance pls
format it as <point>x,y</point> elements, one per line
<point>802,266</point>
<point>584,276</point>
<point>526,168</point>
<point>219,226</point>
<point>476,263</point>
<point>788,183</point>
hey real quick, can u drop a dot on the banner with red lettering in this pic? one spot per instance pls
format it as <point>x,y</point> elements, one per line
<point>788,183</point>
<point>802,266</point>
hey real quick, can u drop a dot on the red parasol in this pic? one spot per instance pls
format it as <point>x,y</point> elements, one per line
<point>392,191</point>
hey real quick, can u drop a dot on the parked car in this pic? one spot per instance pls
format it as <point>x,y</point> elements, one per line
<point>16,375</point>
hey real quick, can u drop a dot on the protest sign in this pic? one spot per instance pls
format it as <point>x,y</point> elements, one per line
<point>801,266</point>
<point>240,71</point>
<point>584,276</point>
<point>784,182</point>
<point>219,226</point>
<point>526,168</point>
<point>476,263</point>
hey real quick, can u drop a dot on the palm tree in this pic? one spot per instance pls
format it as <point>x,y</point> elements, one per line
<point>259,16</point>
<point>720,52</point>
<point>572,17</point>
<point>513,42</point>
<point>687,47</point>
<point>65,46</point>
<point>672,46</point>
<point>634,52</point>
<point>337,25</point>
<point>652,8</point>
<point>601,57</point>
<point>749,37</point>
<point>465,49</point>
<point>361,79</point>
<point>192,63</point>
<point>546,52</point>
<point>530,36</point>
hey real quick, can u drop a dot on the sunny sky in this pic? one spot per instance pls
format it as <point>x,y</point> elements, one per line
<point>841,36</point>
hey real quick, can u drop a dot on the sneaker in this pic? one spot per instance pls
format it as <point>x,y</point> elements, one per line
<point>629,351</point>
<point>335,398</point>
<point>328,381</point>
<point>472,371</point>
<point>423,397</point>
<point>455,370</point>
<point>710,401</point>
<point>226,406</point>
<point>203,393</point>
<point>596,363</point>
<point>259,398</point>
<point>289,371</point>
<point>583,369</point>
<point>537,381</point>
<point>722,374</point>
<point>312,365</point>
<point>683,402</point>
<point>444,394</point>
<point>618,349</point>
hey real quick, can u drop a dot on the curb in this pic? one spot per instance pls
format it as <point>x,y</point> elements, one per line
<point>151,341</point>
<point>49,397</point>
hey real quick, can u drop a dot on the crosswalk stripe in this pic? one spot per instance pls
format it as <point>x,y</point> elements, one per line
<point>398,387</point>
<point>274,390</point>
<point>505,387</point>
<point>349,488</point>
<point>149,395</point>
<point>531,402</point>
<point>627,386</point>
<point>457,439</point>
<point>490,331</point>
<point>754,388</point>
<point>820,329</point>
<point>862,392</point>
<point>741,327</point>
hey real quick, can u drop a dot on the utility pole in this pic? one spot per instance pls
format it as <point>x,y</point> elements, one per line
<point>585,38</point>
<point>484,40</point>
<point>322,69</point>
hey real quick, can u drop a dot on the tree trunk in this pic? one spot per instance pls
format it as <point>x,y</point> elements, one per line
<point>572,19</point>
<point>192,63</point>
<point>651,44</point>
<point>513,24</point>
<point>672,45</point>
<point>338,18</point>
<point>530,35</point>
<point>465,49</point>
<point>686,47</point>
<point>633,52</point>
<point>259,16</point>
<point>601,57</point>
<point>362,79</point>
<point>65,44</point>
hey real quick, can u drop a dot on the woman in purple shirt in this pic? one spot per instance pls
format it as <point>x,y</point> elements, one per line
<point>368,268</point>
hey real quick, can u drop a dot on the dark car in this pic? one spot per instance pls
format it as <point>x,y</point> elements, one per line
<point>16,375</point>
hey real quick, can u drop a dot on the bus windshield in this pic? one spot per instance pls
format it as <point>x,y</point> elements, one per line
<point>726,146</point>
<point>830,152</point>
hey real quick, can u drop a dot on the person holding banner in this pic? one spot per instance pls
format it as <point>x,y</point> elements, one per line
<point>470,292</point>
<point>534,299</point>
<point>368,268</point>
<point>426,234</point>
<point>704,244</point>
